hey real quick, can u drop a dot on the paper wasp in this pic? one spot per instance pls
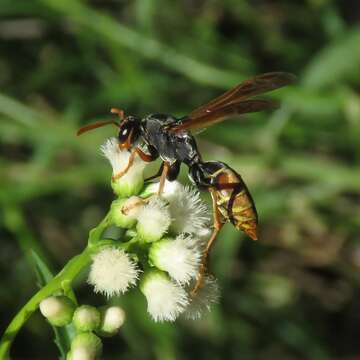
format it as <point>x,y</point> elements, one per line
<point>170,139</point>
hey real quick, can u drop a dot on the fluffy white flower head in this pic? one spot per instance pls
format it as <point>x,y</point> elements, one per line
<point>153,220</point>
<point>179,257</point>
<point>189,213</point>
<point>112,272</point>
<point>166,300</point>
<point>171,188</point>
<point>206,296</point>
<point>130,183</point>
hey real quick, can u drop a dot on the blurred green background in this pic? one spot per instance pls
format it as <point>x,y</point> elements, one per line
<point>63,63</point>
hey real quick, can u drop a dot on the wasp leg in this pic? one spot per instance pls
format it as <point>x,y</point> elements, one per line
<point>163,176</point>
<point>138,202</point>
<point>158,173</point>
<point>128,166</point>
<point>218,224</point>
<point>143,156</point>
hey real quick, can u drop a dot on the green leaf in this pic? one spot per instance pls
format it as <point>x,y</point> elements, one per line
<point>63,335</point>
<point>335,62</point>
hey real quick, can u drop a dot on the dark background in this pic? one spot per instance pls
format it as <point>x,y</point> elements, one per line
<point>292,295</point>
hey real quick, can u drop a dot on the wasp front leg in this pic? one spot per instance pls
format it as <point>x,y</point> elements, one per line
<point>153,155</point>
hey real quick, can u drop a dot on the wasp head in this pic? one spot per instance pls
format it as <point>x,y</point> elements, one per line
<point>129,132</point>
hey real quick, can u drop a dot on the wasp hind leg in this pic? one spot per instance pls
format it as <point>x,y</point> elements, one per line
<point>158,173</point>
<point>218,224</point>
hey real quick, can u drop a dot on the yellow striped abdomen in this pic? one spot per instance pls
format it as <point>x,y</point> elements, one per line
<point>236,204</point>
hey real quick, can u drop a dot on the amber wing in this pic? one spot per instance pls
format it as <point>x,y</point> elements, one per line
<point>235,101</point>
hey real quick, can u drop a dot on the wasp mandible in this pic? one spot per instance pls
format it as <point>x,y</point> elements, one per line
<point>170,139</point>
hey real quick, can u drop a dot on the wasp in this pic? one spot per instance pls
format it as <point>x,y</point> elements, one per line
<point>170,138</point>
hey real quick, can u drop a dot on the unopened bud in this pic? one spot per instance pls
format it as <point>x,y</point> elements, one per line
<point>86,318</point>
<point>86,346</point>
<point>112,318</point>
<point>58,310</point>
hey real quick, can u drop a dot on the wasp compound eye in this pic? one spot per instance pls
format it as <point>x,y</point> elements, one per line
<point>124,132</point>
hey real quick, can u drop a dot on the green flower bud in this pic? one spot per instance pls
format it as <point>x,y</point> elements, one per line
<point>58,310</point>
<point>86,318</point>
<point>124,211</point>
<point>112,318</point>
<point>86,346</point>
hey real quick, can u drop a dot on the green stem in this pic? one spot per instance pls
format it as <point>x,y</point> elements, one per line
<point>69,272</point>
<point>60,282</point>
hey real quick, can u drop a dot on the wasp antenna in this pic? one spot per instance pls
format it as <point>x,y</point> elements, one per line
<point>120,113</point>
<point>95,126</point>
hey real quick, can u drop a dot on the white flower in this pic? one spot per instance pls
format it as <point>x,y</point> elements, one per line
<point>179,257</point>
<point>153,220</point>
<point>130,183</point>
<point>207,295</point>
<point>169,191</point>
<point>188,212</point>
<point>166,300</point>
<point>112,272</point>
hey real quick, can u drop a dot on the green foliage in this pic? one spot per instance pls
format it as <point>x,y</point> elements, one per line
<point>65,63</point>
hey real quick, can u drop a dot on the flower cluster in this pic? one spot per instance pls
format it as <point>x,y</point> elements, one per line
<point>89,323</point>
<point>161,246</point>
